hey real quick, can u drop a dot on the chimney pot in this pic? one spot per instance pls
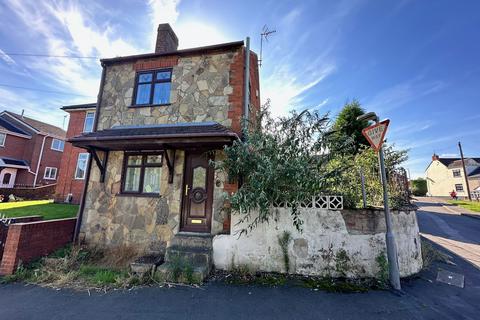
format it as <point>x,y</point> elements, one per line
<point>435,157</point>
<point>167,40</point>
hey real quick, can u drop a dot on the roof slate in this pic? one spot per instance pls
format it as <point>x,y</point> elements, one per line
<point>80,106</point>
<point>39,125</point>
<point>13,162</point>
<point>180,129</point>
<point>9,127</point>
<point>189,51</point>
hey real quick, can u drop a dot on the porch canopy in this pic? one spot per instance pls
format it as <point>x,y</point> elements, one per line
<point>154,137</point>
<point>167,137</point>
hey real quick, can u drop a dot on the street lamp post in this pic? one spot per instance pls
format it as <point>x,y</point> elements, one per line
<point>394,274</point>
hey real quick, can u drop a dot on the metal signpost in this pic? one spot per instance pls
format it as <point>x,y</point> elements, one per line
<point>375,135</point>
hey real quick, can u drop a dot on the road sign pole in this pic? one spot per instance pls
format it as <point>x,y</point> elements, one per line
<point>393,271</point>
<point>375,134</point>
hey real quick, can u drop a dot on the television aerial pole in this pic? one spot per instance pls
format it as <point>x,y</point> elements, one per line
<point>264,35</point>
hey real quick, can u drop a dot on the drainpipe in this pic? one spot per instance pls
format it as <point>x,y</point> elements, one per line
<point>39,160</point>
<point>81,209</point>
<point>246,95</point>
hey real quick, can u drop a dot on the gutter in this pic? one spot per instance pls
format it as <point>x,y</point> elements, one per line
<point>81,209</point>
<point>39,160</point>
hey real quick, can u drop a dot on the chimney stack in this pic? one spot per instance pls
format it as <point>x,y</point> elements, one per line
<point>435,157</point>
<point>167,40</point>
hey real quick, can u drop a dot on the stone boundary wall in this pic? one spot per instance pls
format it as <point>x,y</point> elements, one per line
<point>341,243</point>
<point>31,240</point>
<point>29,193</point>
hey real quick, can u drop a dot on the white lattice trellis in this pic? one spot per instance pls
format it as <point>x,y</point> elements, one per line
<point>321,202</point>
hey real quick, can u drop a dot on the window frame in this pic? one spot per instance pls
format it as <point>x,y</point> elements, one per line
<point>86,165</point>
<point>142,167</point>
<point>457,173</point>
<point>55,149</point>
<point>49,177</point>
<point>456,187</point>
<point>85,122</point>
<point>2,141</point>
<point>152,87</point>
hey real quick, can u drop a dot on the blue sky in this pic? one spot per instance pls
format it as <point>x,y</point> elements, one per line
<point>415,62</point>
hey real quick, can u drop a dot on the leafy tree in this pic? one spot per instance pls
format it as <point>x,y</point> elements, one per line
<point>285,160</point>
<point>419,187</point>
<point>347,125</point>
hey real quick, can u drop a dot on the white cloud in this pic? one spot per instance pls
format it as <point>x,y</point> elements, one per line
<point>5,57</point>
<point>286,91</point>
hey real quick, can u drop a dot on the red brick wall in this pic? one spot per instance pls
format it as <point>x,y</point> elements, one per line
<point>4,228</point>
<point>29,241</point>
<point>66,180</point>
<point>50,158</point>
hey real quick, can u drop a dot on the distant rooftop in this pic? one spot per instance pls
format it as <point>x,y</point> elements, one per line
<point>80,106</point>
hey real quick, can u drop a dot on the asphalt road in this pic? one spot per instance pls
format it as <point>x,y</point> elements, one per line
<point>424,297</point>
<point>444,224</point>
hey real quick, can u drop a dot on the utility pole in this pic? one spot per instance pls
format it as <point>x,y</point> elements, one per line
<point>465,171</point>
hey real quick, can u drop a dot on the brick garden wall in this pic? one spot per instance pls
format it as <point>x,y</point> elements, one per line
<point>4,228</point>
<point>28,241</point>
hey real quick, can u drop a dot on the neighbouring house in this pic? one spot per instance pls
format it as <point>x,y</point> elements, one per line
<point>30,153</point>
<point>445,175</point>
<point>160,118</point>
<point>71,179</point>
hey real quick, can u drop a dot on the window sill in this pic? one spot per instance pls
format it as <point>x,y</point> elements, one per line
<point>139,195</point>
<point>149,105</point>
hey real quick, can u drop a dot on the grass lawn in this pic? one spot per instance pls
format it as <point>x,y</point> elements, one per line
<point>470,205</point>
<point>45,208</point>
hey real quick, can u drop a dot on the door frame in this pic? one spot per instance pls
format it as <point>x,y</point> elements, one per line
<point>184,227</point>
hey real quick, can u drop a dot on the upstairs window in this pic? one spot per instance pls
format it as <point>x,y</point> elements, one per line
<point>456,173</point>
<point>89,119</point>
<point>153,88</point>
<point>58,145</point>
<point>3,137</point>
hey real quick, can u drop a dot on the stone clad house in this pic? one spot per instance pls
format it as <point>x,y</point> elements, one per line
<point>160,118</point>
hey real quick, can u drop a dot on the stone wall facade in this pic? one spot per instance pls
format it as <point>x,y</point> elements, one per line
<point>343,243</point>
<point>205,86</point>
<point>200,90</point>
<point>146,223</point>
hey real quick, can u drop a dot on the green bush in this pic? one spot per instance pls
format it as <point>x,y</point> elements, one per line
<point>419,187</point>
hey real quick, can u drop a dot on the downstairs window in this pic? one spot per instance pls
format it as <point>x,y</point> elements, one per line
<point>142,173</point>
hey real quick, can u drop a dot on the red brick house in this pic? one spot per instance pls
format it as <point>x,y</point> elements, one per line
<point>30,152</point>
<point>74,161</point>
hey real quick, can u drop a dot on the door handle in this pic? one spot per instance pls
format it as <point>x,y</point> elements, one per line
<point>186,189</point>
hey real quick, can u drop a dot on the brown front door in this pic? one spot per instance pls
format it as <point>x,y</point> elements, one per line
<point>197,193</point>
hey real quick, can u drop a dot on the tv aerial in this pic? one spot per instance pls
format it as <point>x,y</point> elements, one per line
<point>266,33</point>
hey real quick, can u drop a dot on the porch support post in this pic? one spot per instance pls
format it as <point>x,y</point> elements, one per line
<point>102,164</point>
<point>170,164</point>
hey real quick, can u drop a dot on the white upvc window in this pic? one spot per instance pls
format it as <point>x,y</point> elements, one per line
<point>3,137</point>
<point>57,145</point>
<point>89,121</point>
<point>50,173</point>
<point>456,173</point>
<point>81,169</point>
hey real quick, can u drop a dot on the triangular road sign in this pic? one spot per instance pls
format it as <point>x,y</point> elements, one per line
<point>376,134</point>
